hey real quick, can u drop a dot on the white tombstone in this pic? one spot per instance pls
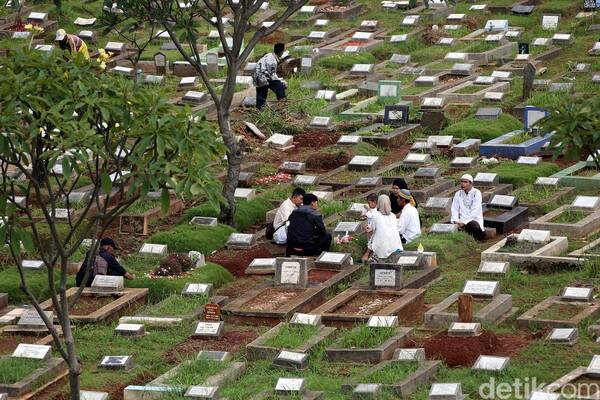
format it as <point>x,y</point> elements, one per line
<point>32,351</point>
<point>481,288</point>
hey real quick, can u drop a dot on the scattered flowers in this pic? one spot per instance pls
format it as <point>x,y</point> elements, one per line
<point>277,178</point>
<point>344,239</point>
<point>34,29</point>
<point>103,57</point>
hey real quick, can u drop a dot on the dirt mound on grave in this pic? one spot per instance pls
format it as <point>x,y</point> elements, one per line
<point>174,265</point>
<point>315,139</point>
<point>276,37</point>
<point>463,351</point>
<point>327,161</point>
<point>431,36</point>
<point>236,261</point>
<point>231,342</point>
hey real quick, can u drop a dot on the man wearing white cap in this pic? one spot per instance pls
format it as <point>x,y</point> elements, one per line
<point>467,210</point>
<point>409,225</point>
<point>72,43</point>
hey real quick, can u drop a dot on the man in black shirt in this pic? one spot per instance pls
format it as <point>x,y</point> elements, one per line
<point>307,235</point>
<point>106,252</point>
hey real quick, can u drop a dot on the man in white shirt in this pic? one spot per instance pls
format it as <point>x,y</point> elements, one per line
<point>467,209</point>
<point>409,225</point>
<point>283,213</point>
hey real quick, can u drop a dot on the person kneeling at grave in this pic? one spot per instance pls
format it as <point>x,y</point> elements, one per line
<point>398,185</point>
<point>265,76</point>
<point>283,213</point>
<point>306,235</point>
<point>104,263</point>
<point>385,243</point>
<point>409,224</point>
<point>72,43</point>
<point>467,209</point>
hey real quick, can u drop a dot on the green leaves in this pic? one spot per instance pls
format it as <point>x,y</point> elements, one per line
<point>106,183</point>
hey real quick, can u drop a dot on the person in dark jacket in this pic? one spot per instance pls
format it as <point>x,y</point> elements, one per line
<point>397,186</point>
<point>106,252</point>
<point>307,235</point>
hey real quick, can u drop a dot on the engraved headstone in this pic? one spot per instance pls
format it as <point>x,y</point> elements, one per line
<point>464,329</point>
<point>484,80</point>
<point>348,227</point>
<point>32,351</point>
<point>154,249</point>
<point>482,288</point>
<point>288,386</point>
<point>433,102</point>
<point>363,162</point>
<point>31,319</point>
<point>204,221</point>
<point>291,360</point>
<point>202,392</point>
<point>292,167</point>
<point>546,181</point>
<point>417,159</point>
<point>463,162</point>
<point>130,330</point>
<point>400,58</point>
<point>197,289</point>
<point>577,294</point>
<point>209,329</point>
<point>396,115</point>
<point>32,264</point>
<point>586,203</point>
<point>369,181</point>
<point>291,272</point>
<point>493,267</point>
<point>385,276</point>
<point>567,336</point>
<point>116,362</point>
<point>443,228</point>
<point>333,260</point>
<point>445,391</point>
<point>306,319</point>
<point>502,201</point>
<point>241,240</point>
<point>280,141</point>
<point>410,355</point>
<point>486,179</point>
<point>348,140</point>
<point>439,204</point>
<point>321,122</point>
<point>308,180</point>
<point>550,22</point>
<point>361,69</point>
<point>92,395</point>
<point>534,236</point>
<point>463,69</point>
<point>366,390</point>
<point>427,173</point>
<point>108,283</point>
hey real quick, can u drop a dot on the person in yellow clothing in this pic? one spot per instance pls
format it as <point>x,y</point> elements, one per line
<point>72,43</point>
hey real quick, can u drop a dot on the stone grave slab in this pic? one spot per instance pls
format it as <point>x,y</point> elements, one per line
<point>385,276</point>
<point>502,201</point>
<point>32,351</point>
<point>202,392</point>
<point>291,360</point>
<point>288,386</point>
<point>462,69</point>
<point>92,395</point>
<point>321,123</point>
<point>32,264</point>
<point>416,354</point>
<point>566,336</point>
<point>525,160</point>
<point>306,180</point>
<point>281,142</point>
<point>291,272</point>
<point>260,266</point>
<point>482,288</point>
<point>463,162</point>
<point>197,289</point>
<point>116,362</point>
<point>445,391</point>
<point>362,69</point>
<point>464,329</point>
<point>493,267</point>
<point>486,179</point>
<point>150,249</point>
<point>417,159</point>
<point>445,41</point>
<point>306,319</point>
<point>534,236</point>
<point>323,195</point>
<point>209,329</point>
<point>369,181</point>
<point>439,205</point>
<point>108,284</point>
<point>359,163</point>
<point>586,203</point>
<point>382,321</point>
<point>237,241</point>
<point>429,173</point>
<point>130,330</point>
<point>332,260</point>
<point>584,294</point>
<point>348,227</point>
<point>433,103</point>
<point>293,167</point>
<point>400,58</point>
<point>31,319</point>
<point>367,391</point>
<point>204,221</point>
<point>244,194</point>
<point>426,80</point>
<point>443,228</point>
<point>491,363</point>
<point>466,146</point>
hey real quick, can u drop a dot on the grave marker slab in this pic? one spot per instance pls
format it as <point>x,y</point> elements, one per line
<point>197,289</point>
<point>534,236</point>
<point>366,390</point>
<point>363,162</point>
<point>433,103</point>
<point>550,22</point>
<point>445,41</point>
<point>463,69</point>
<point>463,162</point>
<point>241,240</point>
<point>292,167</point>
<point>522,9</point>
<point>417,159</point>
<point>586,203</point>
<point>398,38</point>
<point>202,392</point>
<point>568,336</point>
<point>456,56</point>
<point>486,179</point>
<point>116,362</point>
<point>536,395</point>
<point>334,260</point>
<point>396,115</point>
<point>32,264</point>
<point>286,386</point>
<point>428,173</point>
<point>209,329</point>
<point>593,368</point>
<point>321,122</point>
<point>306,319</point>
<point>130,330</point>
<point>443,228</point>
<point>529,160</point>
<point>291,360</point>
<point>220,356</point>
<point>154,249</point>
<point>577,294</point>
<point>440,204</point>
<point>382,321</point>
<point>348,227</point>
<point>204,221</point>
<point>369,181</point>
<point>485,289</point>
<point>546,181</point>
<point>363,36</point>
<point>108,284</point>
<point>484,80</point>
<point>194,97</point>
<point>445,391</point>
<point>496,25</point>
<point>31,319</point>
<point>92,395</point>
<point>280,141</point>
<point>291,272</point>
<point>400,58</point>
<point>307,180</point>
<point>464,329</point>
<point>426,80</point>
<point>32,351</point>
<point>502,75</point>
<point>493,96</point>
<point>493,267</point>
<point>491,363</point>
<point>323,195</point>
<point>385,276</point>
<point>411,355</point>
<point>502,201</point>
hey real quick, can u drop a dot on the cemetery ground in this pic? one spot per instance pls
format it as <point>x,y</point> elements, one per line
<point>441,107</point>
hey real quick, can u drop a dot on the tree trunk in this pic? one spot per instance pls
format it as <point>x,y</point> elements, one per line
<point>72,361</point>
<point>234,163</point>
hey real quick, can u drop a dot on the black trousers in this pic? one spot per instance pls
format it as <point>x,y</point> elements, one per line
<point>473,229</point>
<point>320,244</point>
<point>262,92</point>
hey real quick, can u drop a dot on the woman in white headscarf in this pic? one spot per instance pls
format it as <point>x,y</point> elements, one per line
<point>385,241</point>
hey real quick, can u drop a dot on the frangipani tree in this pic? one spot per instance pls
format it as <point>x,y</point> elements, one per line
<point>62,122</point>
<point>232,19</point>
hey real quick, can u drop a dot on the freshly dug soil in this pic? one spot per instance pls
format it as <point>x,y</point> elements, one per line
<point>231,342</point>
<point>316,276</point>
<point>463,351</point>
<point>236,261</point>
<point>316,139</point>
<point>271,299</point>
<point>327,161</point>
<point>367,303</point>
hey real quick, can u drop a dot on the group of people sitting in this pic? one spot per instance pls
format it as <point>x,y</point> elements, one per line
<point>392,220</point>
